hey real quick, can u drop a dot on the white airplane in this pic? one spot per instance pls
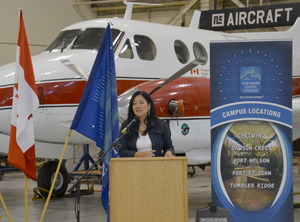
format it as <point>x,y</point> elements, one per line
<point>144,53</point>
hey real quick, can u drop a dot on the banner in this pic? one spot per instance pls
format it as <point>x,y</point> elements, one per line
<point>251,129</point>
<point>97,114</point>
<point>250,17</point>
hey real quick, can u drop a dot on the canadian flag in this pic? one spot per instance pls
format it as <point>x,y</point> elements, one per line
<point>21,153</point>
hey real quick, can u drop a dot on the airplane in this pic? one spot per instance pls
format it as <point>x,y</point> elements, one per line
<point>146,54</point>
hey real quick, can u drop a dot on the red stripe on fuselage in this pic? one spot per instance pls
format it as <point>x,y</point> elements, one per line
<point>61,92</point>
<point>70,92</point>
<point>296,86</point>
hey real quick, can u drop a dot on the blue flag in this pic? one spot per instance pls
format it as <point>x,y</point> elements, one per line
<point>97,114</point>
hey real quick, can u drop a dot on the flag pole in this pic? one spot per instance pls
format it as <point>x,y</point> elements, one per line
<point>26,198</point>
<point>4,206</point>
<point>56,173</point>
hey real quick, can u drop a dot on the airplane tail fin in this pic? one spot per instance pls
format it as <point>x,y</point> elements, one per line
<point>295,29</point>
<point>294,33</point>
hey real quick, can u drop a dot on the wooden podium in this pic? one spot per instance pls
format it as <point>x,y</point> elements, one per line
<point>148,189</point>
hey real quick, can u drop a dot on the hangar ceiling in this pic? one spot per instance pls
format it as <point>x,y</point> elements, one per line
<point>250,3</point>
<point>112,7</point>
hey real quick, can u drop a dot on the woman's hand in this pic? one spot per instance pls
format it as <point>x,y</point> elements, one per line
<point>149,153</point>
<point>169,154</point>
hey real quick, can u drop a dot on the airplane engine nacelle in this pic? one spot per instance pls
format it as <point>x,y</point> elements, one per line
<point>176,107</point>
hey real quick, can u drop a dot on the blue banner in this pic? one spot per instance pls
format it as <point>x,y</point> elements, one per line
<point>251,128</point>
<point>97,114</point>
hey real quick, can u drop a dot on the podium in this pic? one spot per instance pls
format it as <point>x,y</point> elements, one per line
<point>148,189</point>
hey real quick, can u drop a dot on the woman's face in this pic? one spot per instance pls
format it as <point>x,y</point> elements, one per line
<point>140,107</point>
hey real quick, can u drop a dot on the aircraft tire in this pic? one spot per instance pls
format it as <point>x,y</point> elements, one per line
<point>46,175</point>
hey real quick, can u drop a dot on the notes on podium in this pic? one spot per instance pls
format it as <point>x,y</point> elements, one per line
<point>148,189</point>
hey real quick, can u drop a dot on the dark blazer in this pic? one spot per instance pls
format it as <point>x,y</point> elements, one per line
<point>160,137</point>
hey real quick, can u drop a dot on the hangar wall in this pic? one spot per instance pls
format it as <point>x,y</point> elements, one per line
<point>44,19</point>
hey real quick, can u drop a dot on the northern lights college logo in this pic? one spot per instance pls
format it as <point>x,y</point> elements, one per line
<point>250,80</point>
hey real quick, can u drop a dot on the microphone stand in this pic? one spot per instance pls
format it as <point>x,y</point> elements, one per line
<point>77,183</point>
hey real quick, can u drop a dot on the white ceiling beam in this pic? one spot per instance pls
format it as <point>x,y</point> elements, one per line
<point>238,3</point>
<point>123,7</point>
<point>181,12</point>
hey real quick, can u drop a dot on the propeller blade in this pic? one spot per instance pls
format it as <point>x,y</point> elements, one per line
<point>74,68</point>
<point>179,73</point>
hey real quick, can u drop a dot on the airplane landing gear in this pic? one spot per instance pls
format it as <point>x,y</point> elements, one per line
<point>46,175</point>
<point>193,172</point>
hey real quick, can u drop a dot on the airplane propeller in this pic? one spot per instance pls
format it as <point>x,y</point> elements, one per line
<point>74,68</point>
<point>179,73</point>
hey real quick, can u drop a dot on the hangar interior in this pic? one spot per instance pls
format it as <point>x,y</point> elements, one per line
<point>166,12</point>
<point>69,12</point>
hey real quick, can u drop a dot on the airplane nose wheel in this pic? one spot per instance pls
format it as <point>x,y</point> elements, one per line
<point>46,176</point>
<point>59,181</point>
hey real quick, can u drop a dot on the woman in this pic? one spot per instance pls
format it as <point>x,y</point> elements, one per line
<point>150,136</point>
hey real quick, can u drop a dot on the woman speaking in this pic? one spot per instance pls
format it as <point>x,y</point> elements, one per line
<point>150,136</point>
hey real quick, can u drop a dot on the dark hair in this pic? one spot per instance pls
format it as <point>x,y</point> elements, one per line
<point>152,114</point>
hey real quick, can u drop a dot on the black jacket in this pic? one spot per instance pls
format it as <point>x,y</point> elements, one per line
<point>160,137</point>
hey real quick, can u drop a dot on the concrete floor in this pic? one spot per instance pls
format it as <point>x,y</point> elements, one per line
<point>12,190</point>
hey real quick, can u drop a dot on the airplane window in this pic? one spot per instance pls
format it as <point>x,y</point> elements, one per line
<point>91,38</point>
<point>200,52</point>
<point>63,39</point>
<point>181,51</point>
<point>145,47</point>
<point>126,52</point>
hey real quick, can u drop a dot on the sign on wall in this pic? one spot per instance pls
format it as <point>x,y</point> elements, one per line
<point>251,129</point>
<point>250,17</point>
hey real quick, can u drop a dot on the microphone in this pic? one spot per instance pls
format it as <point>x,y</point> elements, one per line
<point>133,121</point>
